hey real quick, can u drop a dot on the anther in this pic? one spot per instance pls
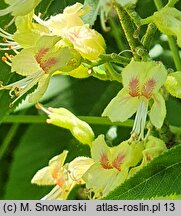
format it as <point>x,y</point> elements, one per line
<point>11,105</point>
<point>39,14</point>
<point>8,56</point>
<point>1,84</point>
<point>4,59</point>
<point>5,39</point>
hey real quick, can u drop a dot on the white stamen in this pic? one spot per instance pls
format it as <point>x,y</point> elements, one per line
<point>39,106</point>
<point>54,193</point>
<point>5,33</point>
<point>6,36</point>
<point>9,43</point>
<point>22,86</point>
<point>39,20</point>
<point>140,119</point>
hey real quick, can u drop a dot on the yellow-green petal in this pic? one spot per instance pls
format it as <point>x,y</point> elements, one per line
<point>121,107</point>
<point>89,43</point>
<point>70,17</point>
<point>24,63</point>
<point>158,111</point>
<point>158,74</point>
<point>42,87</point>
<point>173,84</point>
<point>56,163</point>
<point>28,33</point>
<point>80,72</point>
<point>102,181</point>
<point>78,167</point>
<point>100,149</point>
<point>150,76</point>
<point>135,70</point>
<point>43,177</point>
<point>61,117</point>
<point>19,7</point>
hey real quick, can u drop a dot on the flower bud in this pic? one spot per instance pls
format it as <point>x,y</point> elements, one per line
<point>61,117</point>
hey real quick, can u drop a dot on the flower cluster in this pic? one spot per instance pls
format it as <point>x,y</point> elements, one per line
<point>42,48</point>
<point>141,84</point>
<point>63,176</point>
<point>107,168</point>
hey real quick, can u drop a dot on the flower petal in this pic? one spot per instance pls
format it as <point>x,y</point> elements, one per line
<point>126,155</point>
<point>59,193</point>
<point>77,9</point>
<point>100,149</point>
<point>24,63</point>
<point>121,107</point>
<point>97,179</point>
<point>59,23</point>
<point>42,87</point>
<point>62,117</point>
<point>114,181</point>
<point>56,164</point>
<point>19,7</point>
<point>134,70</point>
<point>173,84</point>
<point>80,72</point>
<point>28,32</point>
<point>43,177</point>
<point>103,181</point>
<point>158,111</point>
<point>150,76</point>
<point>89,43</point>
<point>157,74</point>
<point>78,167</point>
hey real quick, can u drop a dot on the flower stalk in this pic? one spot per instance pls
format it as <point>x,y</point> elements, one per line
<point>128,29</point>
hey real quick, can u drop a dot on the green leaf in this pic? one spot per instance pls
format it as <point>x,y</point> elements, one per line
<point>168,197</point>
<point>173,111</point>
<point>161,177</point>
<point>91,17</point>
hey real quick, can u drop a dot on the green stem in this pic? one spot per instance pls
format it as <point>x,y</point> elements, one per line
<point>112,74</point>
<point>28,119</point>
<point>171,41</point>
<point>148,37</point>
<point>7,140</point>
<point>25,119</point>
<point>147,20</point>
<point>134,16</point>
<point>128,29</point>
<point>113,57</point>
<point>175,52</point>
<point>171,3</point>
<point>46,10</point>
<point>117,34</point>
<point>158,4</point>
<point>105,121</point>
